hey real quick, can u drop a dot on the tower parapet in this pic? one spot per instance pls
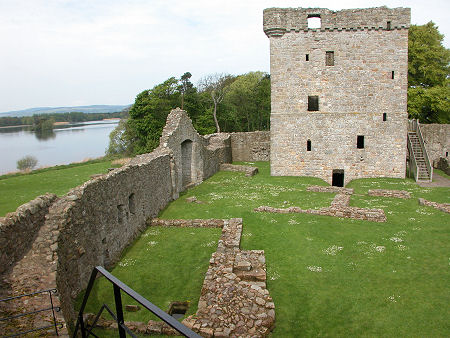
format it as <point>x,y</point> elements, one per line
<point>278,21</point>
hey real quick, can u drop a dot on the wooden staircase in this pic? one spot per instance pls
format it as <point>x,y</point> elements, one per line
<point>419,164</point>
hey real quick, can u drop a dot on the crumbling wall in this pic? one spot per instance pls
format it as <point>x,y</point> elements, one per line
<point>437,140</point>
<point>195,157</point>
<point>19,229</point>
<point>250,146</point>
<point>100,218</point>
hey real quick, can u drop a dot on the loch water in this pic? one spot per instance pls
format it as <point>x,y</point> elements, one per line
<point>63,145</point>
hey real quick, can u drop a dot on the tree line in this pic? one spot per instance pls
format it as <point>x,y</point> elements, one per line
<point>219,103</point>
<point>48,119</point>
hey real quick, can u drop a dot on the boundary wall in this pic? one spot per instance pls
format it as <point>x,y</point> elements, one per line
<point>437,140</point>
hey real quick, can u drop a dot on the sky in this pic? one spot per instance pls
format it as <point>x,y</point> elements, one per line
<point>82,52</point>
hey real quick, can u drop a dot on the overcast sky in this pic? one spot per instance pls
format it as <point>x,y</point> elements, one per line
<point>83,52</point>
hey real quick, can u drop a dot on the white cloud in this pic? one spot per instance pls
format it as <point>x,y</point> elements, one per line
<point>61,52</point>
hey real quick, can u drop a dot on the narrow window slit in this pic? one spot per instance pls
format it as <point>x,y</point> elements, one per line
<point>360,142</point>
<point>308,145</point>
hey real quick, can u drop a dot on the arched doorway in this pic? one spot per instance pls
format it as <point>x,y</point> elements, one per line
<point>186,162</point>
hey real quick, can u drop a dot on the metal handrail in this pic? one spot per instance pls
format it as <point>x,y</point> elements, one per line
<point>118,286</point>
<point>52,308</point>
<point>422,143</point>
<point>412,161</point>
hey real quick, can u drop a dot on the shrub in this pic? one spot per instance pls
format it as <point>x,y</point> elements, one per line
<point>27,162</point>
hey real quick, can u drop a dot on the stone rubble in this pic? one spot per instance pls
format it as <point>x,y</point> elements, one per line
<point>339,207</point>
<point>248,170</point>
<point>389,193</point>
<point>445,207</point>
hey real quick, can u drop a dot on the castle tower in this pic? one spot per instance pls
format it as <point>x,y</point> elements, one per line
<point>338,92</point>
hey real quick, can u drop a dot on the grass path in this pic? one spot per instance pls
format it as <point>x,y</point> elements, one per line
<point>328,276</point>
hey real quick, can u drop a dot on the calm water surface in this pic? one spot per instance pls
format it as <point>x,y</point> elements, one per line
<point>66,144</point>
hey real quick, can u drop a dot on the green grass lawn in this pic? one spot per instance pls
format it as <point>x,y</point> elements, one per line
<point>17,189</point>
<point>328,276</point>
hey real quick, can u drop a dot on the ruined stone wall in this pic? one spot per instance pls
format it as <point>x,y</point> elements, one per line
<point>250,146</point>
<point>195,157</point>
<point>19,229</point>
<point>100,218</point>
<point>367,78</point>
<point>437,140</point>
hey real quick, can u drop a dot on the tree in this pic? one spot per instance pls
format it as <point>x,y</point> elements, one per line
<point>428,75</point>
<point>185,86</point>
<point>149,113</point>
<point>248,102</point>
<point>27,163</point>
<point>121,140</point>
<point>216,85</point>
<point>428,59</point>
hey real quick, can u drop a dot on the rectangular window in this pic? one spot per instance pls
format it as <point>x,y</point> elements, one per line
<point>313,103</point>
<point>388,25</point>
<point>392,75</point>
<point>308,145</point>
<point>384,116</point>
<point>307,57</point>
<point>329,59</point>
<point>360,142</point>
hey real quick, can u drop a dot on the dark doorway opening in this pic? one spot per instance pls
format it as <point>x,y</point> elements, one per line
<point>338,178</point>
<point>186,162</point>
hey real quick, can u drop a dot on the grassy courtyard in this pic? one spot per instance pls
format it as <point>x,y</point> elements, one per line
<point>328,276</point>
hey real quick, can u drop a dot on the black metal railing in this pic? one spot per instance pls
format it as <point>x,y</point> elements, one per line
<point>51,308</point>
<point>119,286</point>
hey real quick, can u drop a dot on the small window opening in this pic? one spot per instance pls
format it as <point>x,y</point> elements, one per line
<point>392,75</point>
<point>384,116</point>
<point>360,142</point>
<point>314,21</point>
<point>338,178</point>
<point>446,154</point>
<point>329,58</point>
<point>313,103</point>
<point>388,25</point>
<point>308,145</point>
<point>307,57</point>
<point>178,309</point>
<point>131,204</point>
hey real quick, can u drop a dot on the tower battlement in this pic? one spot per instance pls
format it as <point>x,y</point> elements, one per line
<point>278,21</point>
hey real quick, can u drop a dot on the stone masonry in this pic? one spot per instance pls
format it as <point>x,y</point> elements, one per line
<point>338,92</point>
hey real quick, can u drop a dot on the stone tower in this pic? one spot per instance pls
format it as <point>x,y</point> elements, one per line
<point>338,92</point>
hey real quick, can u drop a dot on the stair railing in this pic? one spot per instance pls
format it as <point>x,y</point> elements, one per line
<point>412,162</point>
<point>425,154</point>
<point>119,286</point>
<point>55,325</point>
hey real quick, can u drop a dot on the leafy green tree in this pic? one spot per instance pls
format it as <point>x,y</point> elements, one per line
<point>428,75</point>
<point>428,59</point>
<point>149,113</point>
<point>248,102</point>
<point>121,140</point>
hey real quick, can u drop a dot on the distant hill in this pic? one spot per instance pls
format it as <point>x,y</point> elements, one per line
<point>56,110</point>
